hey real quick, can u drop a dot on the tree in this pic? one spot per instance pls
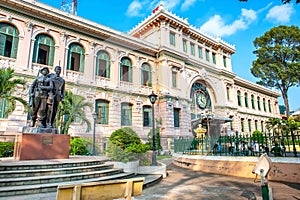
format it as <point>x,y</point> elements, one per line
<point>283,1</point>
<point>71,110</point>
<point>278,55</point>
<point>8,84</point>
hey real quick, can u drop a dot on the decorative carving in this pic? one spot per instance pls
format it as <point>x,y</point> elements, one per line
<point>29,26</point>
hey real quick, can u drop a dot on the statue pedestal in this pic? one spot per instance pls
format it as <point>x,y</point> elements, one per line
<point>39,144</point>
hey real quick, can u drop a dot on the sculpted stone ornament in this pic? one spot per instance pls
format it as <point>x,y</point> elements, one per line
<point>46,92</point>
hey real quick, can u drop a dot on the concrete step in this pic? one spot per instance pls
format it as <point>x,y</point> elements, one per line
<point>57,178</point>
<point>52,171</point>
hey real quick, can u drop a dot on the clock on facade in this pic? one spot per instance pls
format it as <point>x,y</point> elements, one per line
<point>201,100</point>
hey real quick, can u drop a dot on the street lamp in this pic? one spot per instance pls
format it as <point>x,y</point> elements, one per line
<point>153,98</point>
<point>94,132</point>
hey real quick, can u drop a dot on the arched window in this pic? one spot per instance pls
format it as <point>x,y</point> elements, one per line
<point>264,104</point>
<point>239,98</point>
<point>43,52</point>
<point>103,64</point>
<point>246,100</point>
<point>252,101</point>
<point>258,103</point>
<point>147,116</point>
<point>126,114</point>
<point>102,110</point>
<point>269,105</point>
<point>126,70</point>
<point>146,75</point>
<point>75,57</point>
<point>9,40</point>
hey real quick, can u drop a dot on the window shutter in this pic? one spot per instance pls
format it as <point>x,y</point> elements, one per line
<point>2,44</point>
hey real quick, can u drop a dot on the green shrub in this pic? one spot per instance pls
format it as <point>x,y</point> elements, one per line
<point>80,146</point>
<point>124,145</point>
<point>6,149</point>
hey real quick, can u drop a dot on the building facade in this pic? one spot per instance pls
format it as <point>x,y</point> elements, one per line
<point>190,71</point>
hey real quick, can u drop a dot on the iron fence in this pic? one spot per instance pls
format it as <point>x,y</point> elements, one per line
<point>240,145</point>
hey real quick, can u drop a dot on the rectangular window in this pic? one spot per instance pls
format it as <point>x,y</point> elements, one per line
<point>207,55</point>
<point>192,49</point>
<point>262,126</point>
<point>224,61</point>
<point>176,117</point>
<point>228,93</point>
<point>214,58</point>
<point>147,116</point>
<point>249,126</point>
<point>172,39</point>
<point>184,43</point>
<point>126,114</point>
<point>242,125</point>
<point>200,53</point>
<point>256,125</point>
<point>174,79</point>
<point>102,111</point>
<point>3,108</point>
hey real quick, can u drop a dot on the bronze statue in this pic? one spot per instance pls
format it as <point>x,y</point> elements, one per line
<point>41,98</point>
<point>58,95</point>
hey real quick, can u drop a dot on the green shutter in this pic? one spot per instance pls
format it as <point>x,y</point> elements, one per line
<point>36,50</point>
<point>2,43</point>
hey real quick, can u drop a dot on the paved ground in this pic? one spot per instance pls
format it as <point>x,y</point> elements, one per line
<point>183,184</point>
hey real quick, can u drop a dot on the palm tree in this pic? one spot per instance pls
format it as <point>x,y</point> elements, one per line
<point>72,109</point>
<point>7,87</point>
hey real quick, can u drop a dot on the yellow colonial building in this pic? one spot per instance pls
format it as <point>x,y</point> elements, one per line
<point>190,71</point>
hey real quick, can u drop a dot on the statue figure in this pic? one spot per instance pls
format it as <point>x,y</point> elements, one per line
<point>58,94</point>
<point>41,98</point>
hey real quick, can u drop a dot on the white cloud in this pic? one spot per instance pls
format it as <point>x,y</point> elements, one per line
<point>187,4</point>
<point>217,27</point>
<point>134,8</point>
<point>280,14</point>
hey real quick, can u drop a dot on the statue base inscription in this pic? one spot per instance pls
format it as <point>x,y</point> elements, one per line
<point>42,146</point>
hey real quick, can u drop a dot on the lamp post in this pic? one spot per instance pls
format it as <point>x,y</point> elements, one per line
<point>94,132</point>
<point>153,98</point>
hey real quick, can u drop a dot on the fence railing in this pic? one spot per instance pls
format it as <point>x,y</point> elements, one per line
<point>241,145</point>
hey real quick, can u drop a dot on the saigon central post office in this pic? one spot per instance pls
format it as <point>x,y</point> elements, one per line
<point>190,71</point>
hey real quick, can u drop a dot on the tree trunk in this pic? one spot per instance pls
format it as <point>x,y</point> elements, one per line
<point>286,103</point>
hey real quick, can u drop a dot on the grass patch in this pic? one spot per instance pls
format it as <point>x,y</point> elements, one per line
<point>162,157</point>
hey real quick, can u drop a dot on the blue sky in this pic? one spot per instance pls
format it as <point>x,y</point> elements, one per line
<point>237,23</point>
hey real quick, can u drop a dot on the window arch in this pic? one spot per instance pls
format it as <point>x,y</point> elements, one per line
<point>126,114</point>
<point>75,57</point>
<point>102,111</point>
<point>103,64</point>
<point>146,75</point>
<point>126,70</point>
<point>246,100</point>
<point>258,103</point>
<point>9,40</point>
<point>43,52</point>
<point>239,98</point>
<point>269,105</point>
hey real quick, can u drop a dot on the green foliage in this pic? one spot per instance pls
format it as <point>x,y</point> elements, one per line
<point>258,136</point>
<point>80,146</point>
<point>278,59</point>
<point>157,139</point>
<point>8,84</point>
<point>124,145</point>
<point>6,149</point>
<point>73,109</point>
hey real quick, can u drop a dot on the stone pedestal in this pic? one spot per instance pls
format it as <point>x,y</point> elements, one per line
<point>42,145</point>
